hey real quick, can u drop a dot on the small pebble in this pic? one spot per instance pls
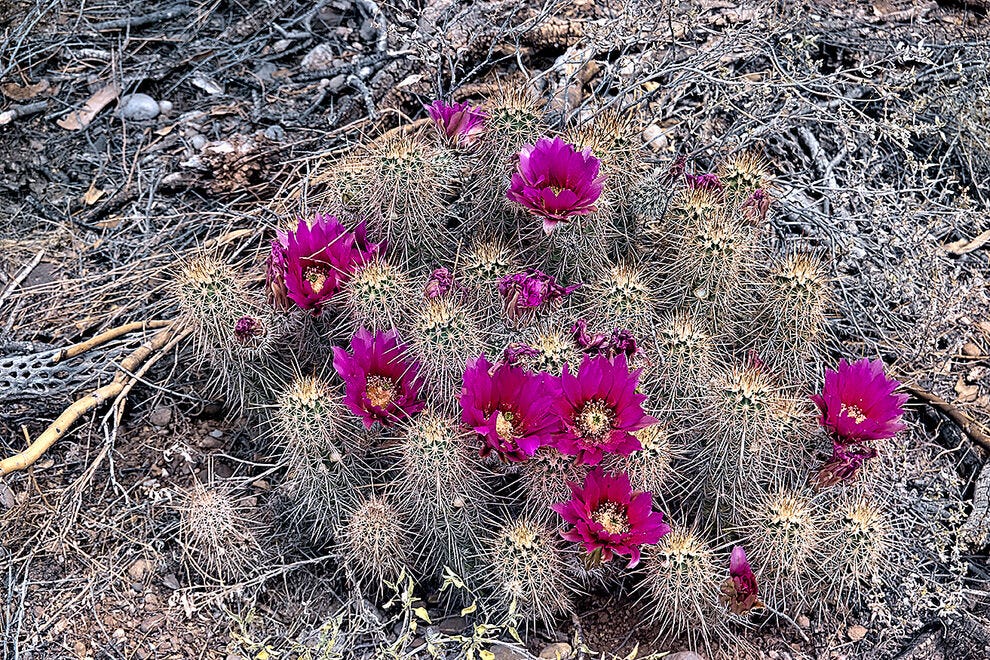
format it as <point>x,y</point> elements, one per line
<point>165,107</point>
<point>216,433</point>
<point>160,416</point>
<point>275,133</point>
<point>683,655</point>
<point>857,632</point>
<point>198,141</point>
<point>138,107</point>
<point>318,59</point>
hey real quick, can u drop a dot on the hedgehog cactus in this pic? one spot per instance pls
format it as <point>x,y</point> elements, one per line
<point>563,360</point>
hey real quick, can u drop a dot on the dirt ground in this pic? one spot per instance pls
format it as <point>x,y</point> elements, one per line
<point>876,115</point>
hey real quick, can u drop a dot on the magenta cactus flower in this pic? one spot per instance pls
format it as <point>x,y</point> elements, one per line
<point>740,591</point>
<point>380,384</point>
<point>609,518</point>
<point>460,122</point>
<point>523,293</point>
<point>555,181</point>
<point>844,464</point>
<point>509,408</point>
<point>858,402</point>
<point>599,410</point>
<point>707,181</point>
<point>308,265</point>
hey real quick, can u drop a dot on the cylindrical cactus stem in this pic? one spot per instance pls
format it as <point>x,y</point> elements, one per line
<point>681,590</point>
<point>375,544</point>
<point>444,485</point>
<point>221,537</point>
<point>524,573</point>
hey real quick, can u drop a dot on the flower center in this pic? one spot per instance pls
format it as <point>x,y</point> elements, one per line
<point>855,413</point>
<point>556,190</point>
<point>595,420</point>
<point>612,516</point>
<point>504,427</point>
<point>316,276</point>
<point>381,391</point>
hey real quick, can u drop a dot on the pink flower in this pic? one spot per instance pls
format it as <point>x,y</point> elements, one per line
<point>609,518</point>
<point>707,181</point>
<point>523,293</point>
<point>844,464</point>
<point>740,591</point>
<point>509,407</point>
<point>379,384</point>
<point>599,410</point>
<point>309,264</point>
<point>858,402</point>
<point>515,352</point>
<point>555,182</point>
<point>460,122</point>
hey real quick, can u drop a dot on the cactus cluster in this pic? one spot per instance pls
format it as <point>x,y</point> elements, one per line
<point>544,349</point>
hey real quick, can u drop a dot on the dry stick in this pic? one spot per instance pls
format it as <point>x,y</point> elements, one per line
<point>21,276</point>
<point>969,426</point>
<point>17,111</point>
<point>141,21</point>
<point>103,337</point>
<point>60,426</point>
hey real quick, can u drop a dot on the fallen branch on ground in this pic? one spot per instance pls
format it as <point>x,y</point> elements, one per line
<point>969,426</point>
<point>130,365</point>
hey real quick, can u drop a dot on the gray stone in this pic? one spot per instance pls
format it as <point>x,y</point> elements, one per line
<point>683,655</point>
<point>160,416</point>
<point>275,133</point>
<point>506,653</point>
<point>138,107</point>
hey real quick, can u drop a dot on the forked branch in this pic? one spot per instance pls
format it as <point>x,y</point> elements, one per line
<point>129,365</point>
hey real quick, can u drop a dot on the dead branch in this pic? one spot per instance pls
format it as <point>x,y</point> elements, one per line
<point>969,426</point>
<point>16,111</point>
<point>140,21</point>
<point>60,426</point>
<point>103,337</point>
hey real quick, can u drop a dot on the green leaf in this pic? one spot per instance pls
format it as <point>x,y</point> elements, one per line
<point>486,655</point>
<point>473,607</point>
<point>515,634</point>
<point>422,614</point>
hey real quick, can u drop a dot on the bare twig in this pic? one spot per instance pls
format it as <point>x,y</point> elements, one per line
<point>969,426</point>
<point>17,111</point>
<point>60,426</point>
<point>146,19</point>
<point>21,276</point>
<point>103,337</point>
